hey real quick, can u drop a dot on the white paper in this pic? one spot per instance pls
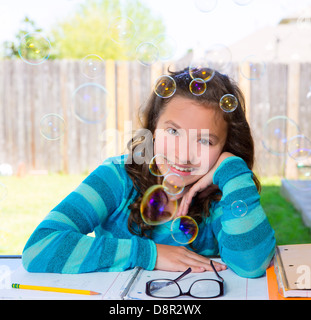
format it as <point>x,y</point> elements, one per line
<point>235,287</point>
<point>101,282</point>
<point>110,284</point>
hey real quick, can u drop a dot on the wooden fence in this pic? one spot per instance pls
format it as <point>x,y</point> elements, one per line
<point>28,92</point>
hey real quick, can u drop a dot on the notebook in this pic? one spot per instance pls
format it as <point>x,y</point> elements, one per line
<point>126,285</point>
<point>292,266</point>
<point>235,287</point>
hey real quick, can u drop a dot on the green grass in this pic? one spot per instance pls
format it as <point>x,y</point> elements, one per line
<point>31,198</point>
<point>284,218</point>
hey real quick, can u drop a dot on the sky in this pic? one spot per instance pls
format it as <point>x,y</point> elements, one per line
<point>186,22</point>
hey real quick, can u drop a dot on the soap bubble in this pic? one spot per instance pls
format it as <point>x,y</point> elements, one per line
<point>252,68</point>
<point>184,229</point>
<point>34,48</point>
<point>276,133</point>
<point>219,57</point>
<point>239,208</point>
<point>299,147</point>
<point>173,183</point>
<point>200,68</point>
<point>147,53</point>
<point>166,45</point>
<point>52,126</point>
<point>299,176</point>
<point>121,30</point>
<point>157,207</point>
<point>159,166</point>
<point>205,5</point>
<point>228,103</point>
<point>89,103</point>
<point>197,86</point>
<point>165,86</point>
<point>92,66</point>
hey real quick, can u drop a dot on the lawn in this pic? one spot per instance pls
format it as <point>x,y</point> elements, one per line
<point>284,218</point>
<point>30,198</point>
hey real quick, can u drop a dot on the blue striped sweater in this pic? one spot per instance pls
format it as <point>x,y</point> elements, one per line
<point>62,242</point>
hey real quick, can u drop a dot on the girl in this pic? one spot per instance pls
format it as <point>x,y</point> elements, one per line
<point>108,200</point>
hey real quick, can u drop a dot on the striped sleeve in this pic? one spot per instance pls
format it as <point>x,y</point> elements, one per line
<point>246,242</point>
<point>60,243</point>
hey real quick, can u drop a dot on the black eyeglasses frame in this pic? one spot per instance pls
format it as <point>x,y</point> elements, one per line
<point>220,282</point>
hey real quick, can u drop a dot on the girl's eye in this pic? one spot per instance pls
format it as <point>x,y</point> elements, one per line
<point>172,131</point>
<point>205,142</point>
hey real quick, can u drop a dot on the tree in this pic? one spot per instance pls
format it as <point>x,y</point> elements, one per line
<point>110,29</point>
<point>11,47</point>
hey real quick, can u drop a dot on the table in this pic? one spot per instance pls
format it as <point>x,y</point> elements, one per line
<point>111,284</point>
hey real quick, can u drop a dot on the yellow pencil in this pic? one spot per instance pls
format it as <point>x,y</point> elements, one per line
<point>53,289</point>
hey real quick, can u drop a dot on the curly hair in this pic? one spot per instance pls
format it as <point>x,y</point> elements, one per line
<point>239,142</point>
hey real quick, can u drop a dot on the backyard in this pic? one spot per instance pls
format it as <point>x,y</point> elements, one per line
<point>30,198</point>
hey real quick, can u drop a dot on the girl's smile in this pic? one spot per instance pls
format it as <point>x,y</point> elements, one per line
<point>181,170</point>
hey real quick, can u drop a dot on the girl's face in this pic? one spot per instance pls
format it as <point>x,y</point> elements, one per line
<point>191,137</point>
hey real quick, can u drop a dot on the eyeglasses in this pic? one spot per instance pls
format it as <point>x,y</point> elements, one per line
<point>201,289</point>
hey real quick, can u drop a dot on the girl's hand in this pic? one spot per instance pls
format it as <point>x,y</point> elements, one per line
<point>171,258</point>
<point>205,183</point>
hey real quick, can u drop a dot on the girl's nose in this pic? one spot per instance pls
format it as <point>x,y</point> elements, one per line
<point>187,153</point>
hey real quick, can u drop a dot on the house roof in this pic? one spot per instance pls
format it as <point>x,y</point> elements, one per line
<point>286,42</point>
<point>289,41</point>
<point>282,43</point>
<point>304,14</point>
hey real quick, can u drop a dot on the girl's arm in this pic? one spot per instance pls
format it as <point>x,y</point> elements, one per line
<point>203,186</point>
<point>60,243</point>
<point>246,244</point>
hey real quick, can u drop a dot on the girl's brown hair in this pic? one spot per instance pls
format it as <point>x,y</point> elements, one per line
<point>239,142</point>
